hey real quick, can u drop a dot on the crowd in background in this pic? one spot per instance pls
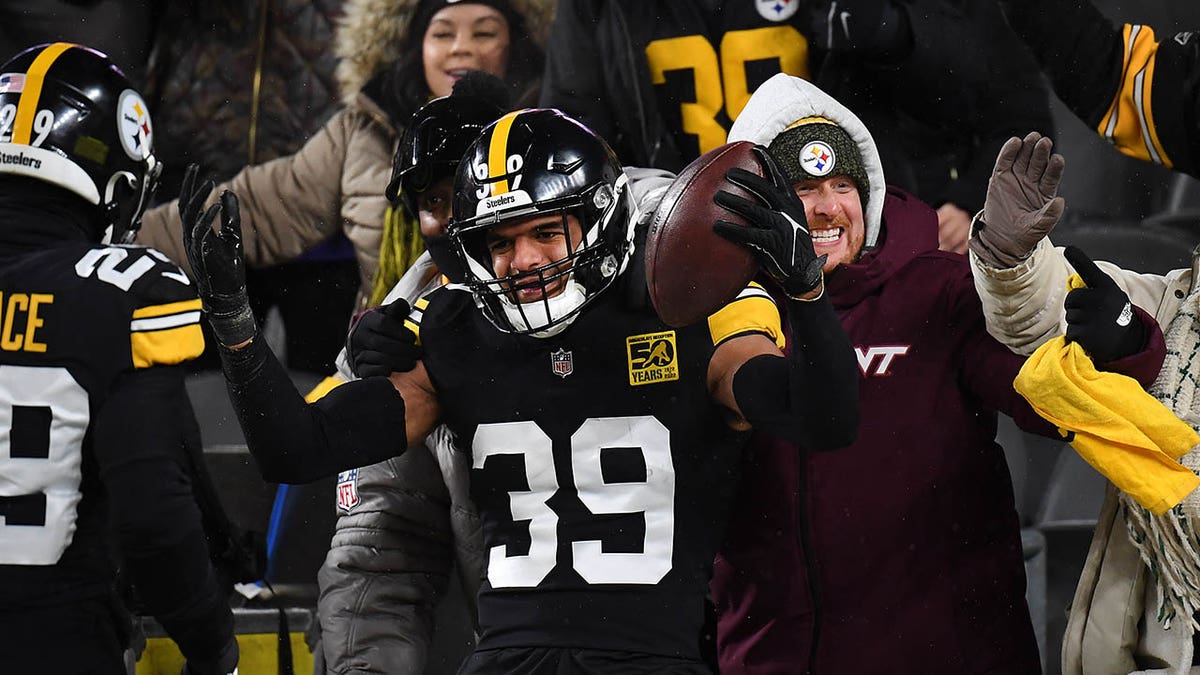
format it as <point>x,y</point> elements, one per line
<point>299,106</point>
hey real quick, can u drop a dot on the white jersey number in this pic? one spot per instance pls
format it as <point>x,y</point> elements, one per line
<point>654,498</point>
<point>43,418</point>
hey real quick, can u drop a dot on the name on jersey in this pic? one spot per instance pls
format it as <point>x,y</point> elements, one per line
<point>19,314</point>
<point>652,358</point>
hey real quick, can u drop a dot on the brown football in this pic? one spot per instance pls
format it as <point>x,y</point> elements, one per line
<point>691,271</point>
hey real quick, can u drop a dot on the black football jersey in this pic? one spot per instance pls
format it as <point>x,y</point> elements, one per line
<point>704,64</point>
<point>602,468</point>
<point>73,318</point>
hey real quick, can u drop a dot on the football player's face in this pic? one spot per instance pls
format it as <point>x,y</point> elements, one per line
<point>835,218</point>
<point>461,38</point>
<point>433,207</point>
<point>530,244</point>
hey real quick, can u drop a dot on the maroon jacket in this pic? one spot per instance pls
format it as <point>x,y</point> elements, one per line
<point>901,553</point>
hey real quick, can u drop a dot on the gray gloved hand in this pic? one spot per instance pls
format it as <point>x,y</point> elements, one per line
<point>1022,205</point>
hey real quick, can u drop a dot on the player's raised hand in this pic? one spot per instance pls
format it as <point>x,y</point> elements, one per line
<point>778,230</point>
<point>380,344</point>
<point>215,255</point>
<point>1100,317</point>
<point>1022,203</point>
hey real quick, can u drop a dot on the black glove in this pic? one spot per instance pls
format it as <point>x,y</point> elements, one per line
<point>778,232</point>
<point>866,27</point>
<point>380,344</point>
<point>224,663</point>
<point>1100,317</point>
<point>216,259</point>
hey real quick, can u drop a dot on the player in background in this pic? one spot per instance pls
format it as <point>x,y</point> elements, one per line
<point>604,443</point>
<point>94,418</point>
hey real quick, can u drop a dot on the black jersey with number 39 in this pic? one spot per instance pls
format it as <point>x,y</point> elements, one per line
<point>73,319</point>
<point>602,468</point>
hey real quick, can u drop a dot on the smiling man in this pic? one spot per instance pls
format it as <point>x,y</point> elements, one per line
<point>902,552</point>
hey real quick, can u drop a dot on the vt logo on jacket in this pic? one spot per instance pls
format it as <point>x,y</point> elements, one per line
<point>876,360</point>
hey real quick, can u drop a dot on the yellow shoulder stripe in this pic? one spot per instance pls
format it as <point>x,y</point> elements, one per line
<point>166,334</point>
<point>1129,122</point>
<point>324,387</point>
<point>166,347</point>
<point>752,311</point>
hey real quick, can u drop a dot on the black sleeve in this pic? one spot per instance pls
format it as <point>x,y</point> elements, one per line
<point>1077,47</point>
<point>574,80</point>
<point>356,424</point>
<point>139,449</point>
<point>811,396</point>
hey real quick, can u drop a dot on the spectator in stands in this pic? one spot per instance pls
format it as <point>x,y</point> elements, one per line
<point>1127,615</point>
<point>395,54</point>
<point>943,84</point>
<point>1138,92</point>
<point>901,552</point>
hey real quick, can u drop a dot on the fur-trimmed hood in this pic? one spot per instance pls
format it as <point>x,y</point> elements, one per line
<point>369,34</point>
<point>782,100</point>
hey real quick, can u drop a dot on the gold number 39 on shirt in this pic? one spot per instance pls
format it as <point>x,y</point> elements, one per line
<point>655,498</point>
<point>722,80</point>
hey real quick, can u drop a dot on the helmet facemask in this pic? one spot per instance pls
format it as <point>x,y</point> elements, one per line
<point>596,254</point>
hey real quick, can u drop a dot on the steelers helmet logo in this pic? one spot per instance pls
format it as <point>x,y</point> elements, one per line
<point>817,158</point>
<point>776,10</point>
<point>133,125</point>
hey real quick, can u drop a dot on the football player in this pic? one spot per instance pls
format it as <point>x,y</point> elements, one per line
<point>94,418</point>
<point>604,444</point>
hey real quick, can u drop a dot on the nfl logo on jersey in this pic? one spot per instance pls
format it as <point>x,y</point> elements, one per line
<point>347,489</point>
<point>561,363</point>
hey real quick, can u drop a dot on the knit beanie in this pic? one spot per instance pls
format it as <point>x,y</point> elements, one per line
<point>815,148</point>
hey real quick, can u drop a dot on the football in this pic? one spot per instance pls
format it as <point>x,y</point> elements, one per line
<point>691,271</point>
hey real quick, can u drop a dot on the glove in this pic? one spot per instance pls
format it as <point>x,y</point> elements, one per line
<point>216,259</point>
<point>1021,205</point>
<point>1100,317</point>
<point>777,232</point>
<point>863,27</point>
<point>380,344</point>
<point>224,663</point>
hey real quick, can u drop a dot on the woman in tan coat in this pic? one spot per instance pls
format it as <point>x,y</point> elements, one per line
<point>394,56</point>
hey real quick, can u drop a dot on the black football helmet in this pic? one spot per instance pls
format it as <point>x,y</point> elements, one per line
<point>434,142</point>
<point>69,116</point>
<point>531,163</point>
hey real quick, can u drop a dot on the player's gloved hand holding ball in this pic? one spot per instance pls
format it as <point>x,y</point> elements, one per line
<point>1100,317</point>
<point>778,230</point>
<point>379,343</point>
<point>216,259</point>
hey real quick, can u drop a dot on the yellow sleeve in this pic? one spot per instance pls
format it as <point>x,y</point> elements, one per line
<point>752,311</point>
<point>1129,123</point>
<point>165,334</point>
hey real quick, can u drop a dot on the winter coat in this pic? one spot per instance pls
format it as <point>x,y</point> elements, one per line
<point>901,552</point>
<point>336,180</point>
<point>389,560</point>
<point>1111,627</point>
<point>233,83</point>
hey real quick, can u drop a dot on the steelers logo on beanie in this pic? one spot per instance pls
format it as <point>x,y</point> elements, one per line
<point>815,148</point>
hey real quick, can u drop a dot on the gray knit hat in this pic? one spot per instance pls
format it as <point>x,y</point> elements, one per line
<point>815,148</point>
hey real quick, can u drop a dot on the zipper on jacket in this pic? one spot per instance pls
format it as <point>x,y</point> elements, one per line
<point>810,562</point>
<point>257,87</point>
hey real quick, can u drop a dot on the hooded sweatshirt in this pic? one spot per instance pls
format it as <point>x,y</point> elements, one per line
<point>902,552</point>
